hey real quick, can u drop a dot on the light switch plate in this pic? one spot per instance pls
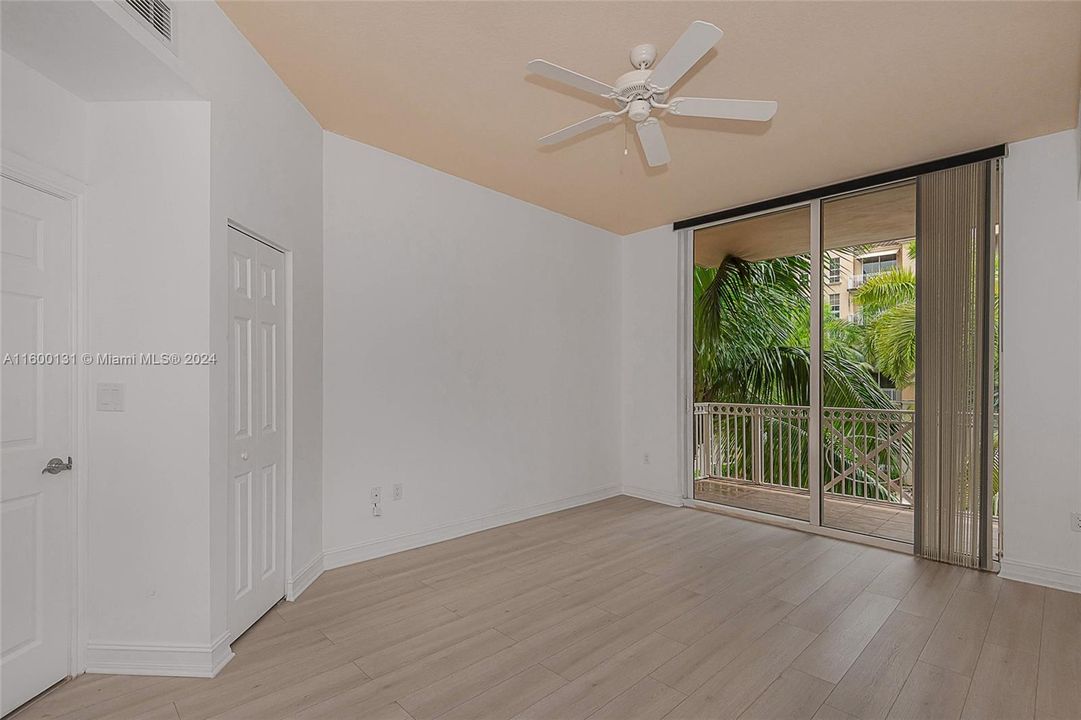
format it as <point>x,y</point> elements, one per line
<point>110,397</point>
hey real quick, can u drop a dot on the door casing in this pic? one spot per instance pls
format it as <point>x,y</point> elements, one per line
<point>39,177</point>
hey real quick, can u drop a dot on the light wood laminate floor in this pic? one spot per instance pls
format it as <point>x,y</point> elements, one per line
<point>626,609</point>
<point>882,520</point>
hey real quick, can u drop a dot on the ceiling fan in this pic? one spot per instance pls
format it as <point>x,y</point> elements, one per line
<point>645,89</point>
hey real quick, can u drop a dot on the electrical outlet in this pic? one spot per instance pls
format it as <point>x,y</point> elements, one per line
<point>397,491</point>
<point>377,494</point>
<point>645,458</point>
<point>1075,522</point>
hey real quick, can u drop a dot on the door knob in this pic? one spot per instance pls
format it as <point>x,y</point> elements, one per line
<point>56,465</point>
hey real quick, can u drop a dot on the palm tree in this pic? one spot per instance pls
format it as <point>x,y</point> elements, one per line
<point>752,345</point>
<point>888,302</point>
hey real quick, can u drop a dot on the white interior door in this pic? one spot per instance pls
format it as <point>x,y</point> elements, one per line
<point>36,595</point>
<point>257,429</point>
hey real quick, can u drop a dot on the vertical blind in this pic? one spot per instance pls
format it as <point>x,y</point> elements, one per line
<point>955,263</point>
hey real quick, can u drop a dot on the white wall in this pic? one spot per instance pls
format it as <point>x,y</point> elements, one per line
<point>1041,361</point>
<point>471,354</point>
<point>163,179</point>
<point>42,121</point>
<point>267,175</point>
<point>147,210</point>
<point>650,447</point>
<point>146,171</point>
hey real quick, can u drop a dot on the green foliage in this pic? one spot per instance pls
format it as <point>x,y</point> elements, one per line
<point>840,336</point>
<point>752,339</point>
<point>751,343</point>
<point>891,342</point>
<point>781,375</point>
<point>888,302</point>
<point>885,290</point>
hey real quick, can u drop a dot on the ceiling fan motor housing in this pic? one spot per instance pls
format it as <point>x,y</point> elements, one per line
<point>639,110</point>
<point>632,86</point>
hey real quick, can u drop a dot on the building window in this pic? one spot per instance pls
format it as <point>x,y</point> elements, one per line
<point>880,264</point>
<point>834,271</point>
<point>835,305</point>
<point>888,387</point>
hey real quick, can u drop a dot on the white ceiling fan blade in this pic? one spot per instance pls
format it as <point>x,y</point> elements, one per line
<point>689,49</point>
<point>724,109</point>
<point>653,144</point>
<point>578,128</point>
<point>569,77</point>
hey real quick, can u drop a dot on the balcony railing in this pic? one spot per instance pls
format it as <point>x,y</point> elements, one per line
<point>866,453</point>
<point>855,281</point>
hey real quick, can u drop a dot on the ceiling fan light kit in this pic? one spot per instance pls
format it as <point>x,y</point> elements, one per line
<point>644,90</point>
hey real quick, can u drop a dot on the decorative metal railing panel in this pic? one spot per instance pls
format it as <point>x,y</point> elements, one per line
<point>866,453</point>
<point>764,444</point>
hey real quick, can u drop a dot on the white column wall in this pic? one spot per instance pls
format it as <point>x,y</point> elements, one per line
<point>147,209</point>
<point>1041,361</point>
<point>650,366</point>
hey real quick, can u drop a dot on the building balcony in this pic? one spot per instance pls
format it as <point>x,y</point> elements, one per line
<point>855,281</point>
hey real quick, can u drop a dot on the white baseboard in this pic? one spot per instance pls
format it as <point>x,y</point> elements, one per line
<point>674,499</point>
<point>339,557</point>
<point>1040,575</point>
<point>159,658</point>
<point>307,575</point>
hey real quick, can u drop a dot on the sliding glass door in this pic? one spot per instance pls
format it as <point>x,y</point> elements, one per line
<point>752,371</point>
<point>799,410</point>
<point>868,359</point>
<point>818,374</point>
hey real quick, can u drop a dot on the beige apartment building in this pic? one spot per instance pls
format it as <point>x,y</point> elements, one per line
<point>847,270</point>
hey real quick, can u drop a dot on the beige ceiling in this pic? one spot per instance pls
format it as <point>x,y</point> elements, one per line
<point>862,87</point>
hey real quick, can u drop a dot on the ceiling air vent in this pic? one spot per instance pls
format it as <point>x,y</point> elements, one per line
<point>155,14</point>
